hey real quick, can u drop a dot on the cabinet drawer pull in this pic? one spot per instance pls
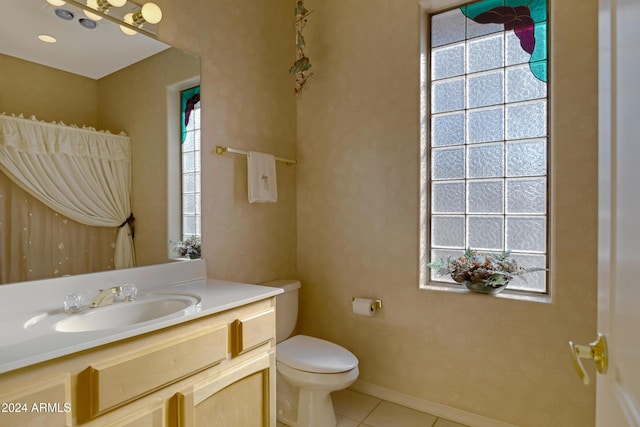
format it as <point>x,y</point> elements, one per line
<point>252,331</point>
<point>237,341</point>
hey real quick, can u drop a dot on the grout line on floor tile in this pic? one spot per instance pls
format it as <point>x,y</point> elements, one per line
<point>363,422</point>
<point>371,411</point>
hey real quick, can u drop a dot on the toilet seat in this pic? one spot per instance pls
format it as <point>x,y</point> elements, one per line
<point>315,355</point>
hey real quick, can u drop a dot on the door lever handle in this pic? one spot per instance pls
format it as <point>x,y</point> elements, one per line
<point>597,351</point>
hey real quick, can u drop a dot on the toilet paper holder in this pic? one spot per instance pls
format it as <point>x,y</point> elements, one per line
<point>377,303</point>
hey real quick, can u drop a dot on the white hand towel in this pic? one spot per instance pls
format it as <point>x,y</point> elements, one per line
<point>261,177</point>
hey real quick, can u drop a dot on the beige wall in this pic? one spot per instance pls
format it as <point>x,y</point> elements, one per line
<point>358,213</point>
<point>135,100</point>
<point>47,93</point>
<point>247,103</point>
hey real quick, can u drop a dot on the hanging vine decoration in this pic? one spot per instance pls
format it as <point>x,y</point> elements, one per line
<point>301,66</point>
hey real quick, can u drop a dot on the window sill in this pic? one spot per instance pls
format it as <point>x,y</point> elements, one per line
<point>506,294</point>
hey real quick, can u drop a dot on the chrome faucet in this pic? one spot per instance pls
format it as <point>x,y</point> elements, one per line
<point>105,296</point>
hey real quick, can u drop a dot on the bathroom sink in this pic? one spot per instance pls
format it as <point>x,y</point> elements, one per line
<point>144,308</point>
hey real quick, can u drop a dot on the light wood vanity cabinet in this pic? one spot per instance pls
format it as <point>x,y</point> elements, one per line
<point>40,403</point>
<point>214,371</point>
<point>237,397</point>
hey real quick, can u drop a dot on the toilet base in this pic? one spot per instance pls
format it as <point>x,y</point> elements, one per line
<point>286,402</point>
<point>308,404</point>
<point>312,409</point>
<point>315,409</point>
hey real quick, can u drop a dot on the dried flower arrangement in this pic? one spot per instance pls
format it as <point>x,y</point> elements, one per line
<point>189,248</point>
<point>482,273</point>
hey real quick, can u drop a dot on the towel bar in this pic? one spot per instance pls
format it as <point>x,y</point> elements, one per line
<point>221,150</point>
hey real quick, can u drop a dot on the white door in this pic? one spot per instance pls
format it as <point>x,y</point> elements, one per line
<point>618,392</point>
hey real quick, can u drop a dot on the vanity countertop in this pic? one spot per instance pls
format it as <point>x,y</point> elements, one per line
<point>21,347</point>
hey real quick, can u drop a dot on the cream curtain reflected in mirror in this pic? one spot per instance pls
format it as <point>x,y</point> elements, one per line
<point>38,243</point>
<point>80,173</point>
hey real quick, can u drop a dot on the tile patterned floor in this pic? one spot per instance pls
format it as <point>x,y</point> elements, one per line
<point>355,409</point>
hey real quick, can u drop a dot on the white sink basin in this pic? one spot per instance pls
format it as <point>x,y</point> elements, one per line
<point>145,308</point>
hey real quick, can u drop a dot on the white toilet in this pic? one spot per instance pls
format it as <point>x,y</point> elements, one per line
<point>309,369</point>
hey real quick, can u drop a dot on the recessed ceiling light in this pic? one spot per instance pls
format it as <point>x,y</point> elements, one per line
<point>64,14</point>
<point>56,2</point>
<point>87,23</point>
<point>46,38</point>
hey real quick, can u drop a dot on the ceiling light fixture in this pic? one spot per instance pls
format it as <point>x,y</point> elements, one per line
<point>150,12</point>
<point>128,18</point>
<point>132,17</point>
<point>47,38</point>
<point>56,3</point>
<point>104,5</point>
<point>93,4</point>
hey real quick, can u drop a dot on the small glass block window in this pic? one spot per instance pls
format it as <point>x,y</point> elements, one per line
<point>488,142</point>
<point>190,124</point>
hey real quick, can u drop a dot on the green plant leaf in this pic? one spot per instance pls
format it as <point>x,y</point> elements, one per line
<point>300,65</point>
<point>300,9</point>
<point>299,41</point>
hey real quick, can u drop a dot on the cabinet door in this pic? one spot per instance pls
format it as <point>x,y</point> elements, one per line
<point>46,403</point>
<point>243,395</point>
<point>151,416</point>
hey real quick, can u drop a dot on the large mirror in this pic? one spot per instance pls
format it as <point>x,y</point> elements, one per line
<point>101,78</point>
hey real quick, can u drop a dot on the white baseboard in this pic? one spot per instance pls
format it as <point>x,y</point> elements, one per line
<point>438,409</point>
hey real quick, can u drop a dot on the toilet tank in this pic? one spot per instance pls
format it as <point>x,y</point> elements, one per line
<point>286,307</point>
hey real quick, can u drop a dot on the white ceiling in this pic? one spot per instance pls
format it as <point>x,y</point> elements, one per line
<point>90,53</point>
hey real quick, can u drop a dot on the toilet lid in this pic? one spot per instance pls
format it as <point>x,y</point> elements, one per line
<point>315,355</point>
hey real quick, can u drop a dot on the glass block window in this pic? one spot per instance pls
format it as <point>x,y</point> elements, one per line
<point>488,134</point>
<point>190,124</point>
